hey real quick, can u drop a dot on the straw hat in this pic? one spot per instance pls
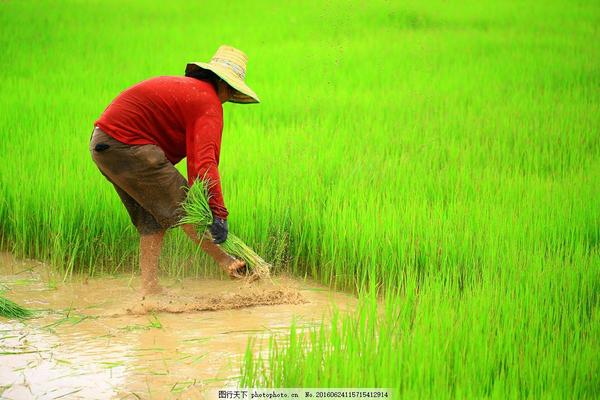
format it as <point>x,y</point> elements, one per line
<point>229,64</point>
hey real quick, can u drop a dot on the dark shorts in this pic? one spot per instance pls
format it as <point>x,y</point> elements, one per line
<point>148,184</point>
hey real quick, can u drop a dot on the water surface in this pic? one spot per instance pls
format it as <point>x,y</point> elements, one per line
<point>85,343</point>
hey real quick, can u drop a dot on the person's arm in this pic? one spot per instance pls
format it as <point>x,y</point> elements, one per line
<point>203,142</point>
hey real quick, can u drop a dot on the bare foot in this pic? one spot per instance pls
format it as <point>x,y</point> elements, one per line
<point>236,269</point>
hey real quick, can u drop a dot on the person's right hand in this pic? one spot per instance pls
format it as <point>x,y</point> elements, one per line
<point>218,230</point>
<point>236,269</point>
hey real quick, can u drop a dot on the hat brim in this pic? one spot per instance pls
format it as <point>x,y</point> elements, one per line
<point>243,93</point>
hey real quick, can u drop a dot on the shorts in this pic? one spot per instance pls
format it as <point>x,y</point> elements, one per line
<point>150,187</point>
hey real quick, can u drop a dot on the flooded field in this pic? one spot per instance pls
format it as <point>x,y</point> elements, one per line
<point>99,339</point>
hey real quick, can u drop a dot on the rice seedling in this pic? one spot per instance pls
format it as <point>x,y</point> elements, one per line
<point>199,214</point>
<point>10,309</point>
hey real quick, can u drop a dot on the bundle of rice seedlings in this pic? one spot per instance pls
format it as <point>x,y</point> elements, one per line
<point>199,214</point>
<point>10,309</point>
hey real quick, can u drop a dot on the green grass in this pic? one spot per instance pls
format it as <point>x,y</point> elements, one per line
<point>446,153</point>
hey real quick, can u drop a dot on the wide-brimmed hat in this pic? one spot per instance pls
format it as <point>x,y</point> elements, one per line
<point>229,64</point>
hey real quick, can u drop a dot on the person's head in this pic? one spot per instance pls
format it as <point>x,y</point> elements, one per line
<point>227,72</point>
<point>224,91</point>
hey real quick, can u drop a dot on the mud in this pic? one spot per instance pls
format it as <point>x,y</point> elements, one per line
<point>100,339</point>
<point>249,298</point>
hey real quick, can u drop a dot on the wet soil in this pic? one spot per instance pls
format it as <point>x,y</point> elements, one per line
<point>100,339</point>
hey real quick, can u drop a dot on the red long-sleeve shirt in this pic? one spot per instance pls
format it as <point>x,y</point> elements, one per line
<point>181,115</point>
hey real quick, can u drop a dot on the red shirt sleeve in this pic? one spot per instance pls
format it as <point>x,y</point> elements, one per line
<point>203,144</point>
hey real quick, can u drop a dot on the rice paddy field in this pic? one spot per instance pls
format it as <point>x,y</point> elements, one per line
<point>440,160</point>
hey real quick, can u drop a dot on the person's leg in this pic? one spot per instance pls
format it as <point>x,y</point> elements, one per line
<point>151,240</point>
<point>150,247</point>
<point>114,154</point>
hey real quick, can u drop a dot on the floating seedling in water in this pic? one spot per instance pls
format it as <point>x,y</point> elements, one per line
<point>10,309</point>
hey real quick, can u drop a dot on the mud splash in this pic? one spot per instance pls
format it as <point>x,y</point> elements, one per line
<point>249,298</point>
<point>99,339</point>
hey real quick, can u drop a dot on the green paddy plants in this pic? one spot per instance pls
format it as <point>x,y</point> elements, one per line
<point>439,159</point>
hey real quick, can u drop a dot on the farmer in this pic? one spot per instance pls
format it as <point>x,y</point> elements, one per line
<point>149,128</point>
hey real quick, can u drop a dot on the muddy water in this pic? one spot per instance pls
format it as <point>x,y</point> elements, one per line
<point>98,339</point>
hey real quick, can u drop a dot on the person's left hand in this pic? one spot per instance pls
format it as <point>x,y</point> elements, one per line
<point>218,230</point>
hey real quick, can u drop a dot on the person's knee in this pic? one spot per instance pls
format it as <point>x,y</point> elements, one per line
<point>169,219</point>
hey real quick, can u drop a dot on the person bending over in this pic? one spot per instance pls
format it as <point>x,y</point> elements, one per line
<point>150,127</point>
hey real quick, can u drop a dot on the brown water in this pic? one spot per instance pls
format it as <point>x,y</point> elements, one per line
<point>98,339</point>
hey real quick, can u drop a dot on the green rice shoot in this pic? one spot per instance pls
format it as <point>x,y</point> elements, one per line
<point>199,214</point>
<point>10,309</point>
